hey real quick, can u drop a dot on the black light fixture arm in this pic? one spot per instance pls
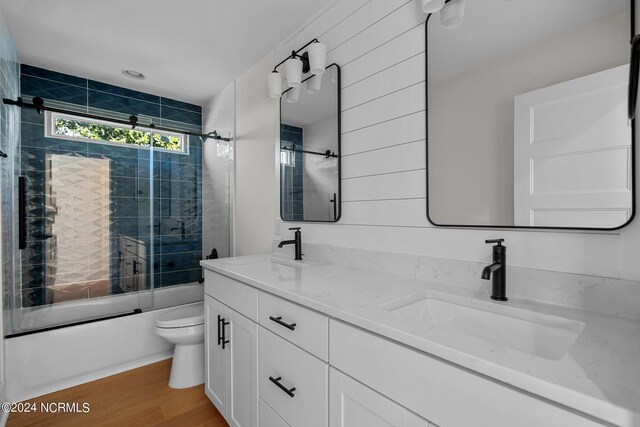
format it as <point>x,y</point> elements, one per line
<point>295,54</point>
<point>37,104</point>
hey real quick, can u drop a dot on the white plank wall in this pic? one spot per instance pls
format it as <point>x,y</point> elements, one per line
<point>380,45</point>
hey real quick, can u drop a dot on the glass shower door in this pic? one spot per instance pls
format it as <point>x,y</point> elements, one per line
<point>89,240</point>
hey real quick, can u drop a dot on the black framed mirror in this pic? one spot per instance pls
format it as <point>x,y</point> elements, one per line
<point>310,149</point>
<point>527,115</point>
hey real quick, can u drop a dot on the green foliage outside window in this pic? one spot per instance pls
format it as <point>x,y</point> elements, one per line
<point>102,132</point>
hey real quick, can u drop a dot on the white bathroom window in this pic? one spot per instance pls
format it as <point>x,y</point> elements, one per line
<point>70,127</point>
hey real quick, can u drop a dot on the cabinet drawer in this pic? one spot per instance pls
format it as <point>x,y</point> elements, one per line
<point>268,418</point>
<point>436,390</point>
<point>290,367</point>
<point>240,297</point>
<point>303,327</point>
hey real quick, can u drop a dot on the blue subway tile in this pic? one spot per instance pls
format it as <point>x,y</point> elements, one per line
<point>50,90</point>
<point>180,277</point>
<point>181,105</point>
<point>182,116</point>
<point>180,261</point>
<point>129,93</point>
<point>112,150</point>
<point>28,115</point>
<point>121,104</point>
<point>52,75</point>
<point>179,189</point>
<point>124,166</point>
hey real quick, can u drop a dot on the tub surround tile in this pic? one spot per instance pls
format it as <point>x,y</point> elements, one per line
<point>55,76</point>
<point>129,169</point>
<point>52,90</point>
<point>121,104</point>
<point>121,91</point>
<point>182,116</point>
<point>181,105</point>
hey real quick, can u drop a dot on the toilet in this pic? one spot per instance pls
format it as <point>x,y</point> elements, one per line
<point>184,327</point>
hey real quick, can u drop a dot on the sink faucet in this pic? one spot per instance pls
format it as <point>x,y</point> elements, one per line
<point>296,241</point>
<point>498,270</point>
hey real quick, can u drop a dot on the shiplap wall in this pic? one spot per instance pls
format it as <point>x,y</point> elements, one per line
<point>380,46</point>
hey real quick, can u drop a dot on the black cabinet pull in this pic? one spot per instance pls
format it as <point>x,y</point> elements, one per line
<point>276,381</point>
<point>219,333</point>
<point>279,321</point>
<point>224,339</point>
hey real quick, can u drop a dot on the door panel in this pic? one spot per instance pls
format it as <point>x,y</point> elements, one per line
<point>570,142</point>
<point>353,405</point>
<point>242,354</point>
<point>215,363</point>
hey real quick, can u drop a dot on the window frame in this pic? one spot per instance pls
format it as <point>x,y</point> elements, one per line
<point>50,132</point>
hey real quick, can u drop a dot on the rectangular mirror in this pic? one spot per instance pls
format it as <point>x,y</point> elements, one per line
<point>310,149</point>
<point>527,120</point>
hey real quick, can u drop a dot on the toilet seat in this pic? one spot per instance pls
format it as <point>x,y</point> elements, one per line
<point>192,315</point>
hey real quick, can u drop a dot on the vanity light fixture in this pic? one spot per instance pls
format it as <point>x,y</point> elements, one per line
<point>432,6</point>
<point>314,84</point>
<point>275,84</point>
<point>452,14</point>
<point>313,60</point>
<point>293,95</point>
<point>293,71</point>
<point>317,58</point>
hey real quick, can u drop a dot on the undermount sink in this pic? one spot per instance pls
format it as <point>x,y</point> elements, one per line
<point>294,263</point>
<point>546,336</point>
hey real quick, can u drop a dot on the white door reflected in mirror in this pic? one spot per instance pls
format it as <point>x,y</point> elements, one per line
<point>527,115</point>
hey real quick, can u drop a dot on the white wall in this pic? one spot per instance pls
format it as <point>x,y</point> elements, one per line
<point>471,166</point>
<point>256,193</point>
<point>380,46</point>
<point>218,169</point>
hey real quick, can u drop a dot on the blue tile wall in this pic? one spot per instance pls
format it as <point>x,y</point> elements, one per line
<point>291,199</point>
<point>170,183</point>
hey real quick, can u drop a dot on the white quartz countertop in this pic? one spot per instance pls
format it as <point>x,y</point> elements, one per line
<point>599,376</point>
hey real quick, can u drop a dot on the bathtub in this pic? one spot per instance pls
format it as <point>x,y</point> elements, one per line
<point>28,319</point>
<point>55,359</point>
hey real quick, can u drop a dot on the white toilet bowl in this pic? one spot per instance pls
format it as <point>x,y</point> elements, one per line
<point>184,327</point>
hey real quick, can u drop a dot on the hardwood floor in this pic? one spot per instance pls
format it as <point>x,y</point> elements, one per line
<point>140,397</point>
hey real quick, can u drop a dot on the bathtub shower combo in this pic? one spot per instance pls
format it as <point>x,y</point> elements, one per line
<point>102,201</point>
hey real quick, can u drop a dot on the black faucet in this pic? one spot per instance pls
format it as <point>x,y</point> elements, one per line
<point>297,240</point>
<point>498,269</point>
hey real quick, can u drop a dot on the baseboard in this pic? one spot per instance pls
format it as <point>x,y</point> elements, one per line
<point>97,375</point>
<point>4,416</point>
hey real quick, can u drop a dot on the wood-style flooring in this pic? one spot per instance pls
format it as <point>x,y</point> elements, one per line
<point>140,397</point>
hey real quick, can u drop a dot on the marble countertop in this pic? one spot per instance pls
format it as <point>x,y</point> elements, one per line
<point>599,375</point>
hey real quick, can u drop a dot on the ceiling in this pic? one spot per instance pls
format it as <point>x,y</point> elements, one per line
<point>188,49</point>
<point>493,28</point>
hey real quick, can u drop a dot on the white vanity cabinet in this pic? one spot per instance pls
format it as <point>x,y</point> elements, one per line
<point>288,365</point>
<point>437,390</point>
<point>231,351</point>
<point>354,404</point>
